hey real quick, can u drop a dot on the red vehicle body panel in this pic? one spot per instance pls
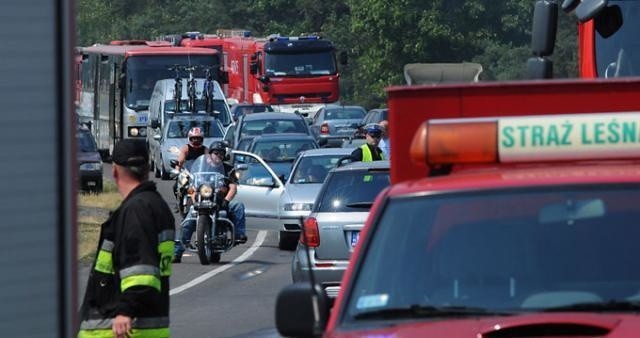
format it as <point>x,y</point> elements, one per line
<point>587,50</point>
<point>619,325</point>
<point>411,106</point>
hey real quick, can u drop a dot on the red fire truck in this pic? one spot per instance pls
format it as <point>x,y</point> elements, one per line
<point>512,213</point>
<point>289,73</point>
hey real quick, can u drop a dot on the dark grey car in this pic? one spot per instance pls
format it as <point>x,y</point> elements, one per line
<point>333,124</point>
<point>333,227</point>
<point>252,125</point>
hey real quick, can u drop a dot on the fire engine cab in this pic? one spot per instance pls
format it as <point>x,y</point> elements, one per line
<point>522,225</point>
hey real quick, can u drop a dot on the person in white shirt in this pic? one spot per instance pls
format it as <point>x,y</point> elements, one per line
<point>385,143</point>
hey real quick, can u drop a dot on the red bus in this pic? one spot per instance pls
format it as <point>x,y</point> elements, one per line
<point>117,81</point>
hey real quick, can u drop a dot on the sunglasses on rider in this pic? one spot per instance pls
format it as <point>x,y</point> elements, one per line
<point>194,139</point>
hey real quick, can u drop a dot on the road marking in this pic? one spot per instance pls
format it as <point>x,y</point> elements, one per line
<point>262,234</point>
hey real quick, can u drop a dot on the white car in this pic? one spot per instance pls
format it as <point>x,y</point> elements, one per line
<point>302,188</point>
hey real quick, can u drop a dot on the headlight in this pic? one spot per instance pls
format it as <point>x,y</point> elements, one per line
<point>206,191</point>
<point>174,150</point>
<point>133,132</point>
<point>298,206</point>
<point>92,166</point>
<point>143,131</point>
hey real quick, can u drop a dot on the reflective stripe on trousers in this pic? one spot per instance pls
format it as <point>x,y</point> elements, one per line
<point>141,327</point>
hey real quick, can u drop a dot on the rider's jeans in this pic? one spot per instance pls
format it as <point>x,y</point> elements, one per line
<point>236,215</point>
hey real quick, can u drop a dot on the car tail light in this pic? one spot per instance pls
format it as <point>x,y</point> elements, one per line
<point>324,129</point>
<point>311,235</point>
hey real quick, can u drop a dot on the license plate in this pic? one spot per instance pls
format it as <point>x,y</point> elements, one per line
<point>355,235</point>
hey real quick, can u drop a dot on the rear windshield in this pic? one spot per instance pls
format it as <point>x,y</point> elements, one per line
<point>351,190</point>
<point>521,250</point>
<point>345,114</point>
<point>259,127</point>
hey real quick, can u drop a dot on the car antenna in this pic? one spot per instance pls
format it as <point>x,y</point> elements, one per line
<point>317,329</point>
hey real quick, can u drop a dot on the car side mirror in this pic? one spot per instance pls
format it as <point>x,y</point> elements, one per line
<point>301,310</point>
<point>343,58</point>
<point>223,76</point>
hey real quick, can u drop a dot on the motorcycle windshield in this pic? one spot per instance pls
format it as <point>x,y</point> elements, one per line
<point>205,171</point>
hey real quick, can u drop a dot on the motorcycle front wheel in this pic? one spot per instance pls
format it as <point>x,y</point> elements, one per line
<point>203,233</point>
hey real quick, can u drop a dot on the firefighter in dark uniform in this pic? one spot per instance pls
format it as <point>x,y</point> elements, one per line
<point>127,292</point>
<point>369,151</point>
<point>193,149</point>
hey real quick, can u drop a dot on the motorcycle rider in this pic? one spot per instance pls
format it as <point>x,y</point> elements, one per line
<point>217,153</point>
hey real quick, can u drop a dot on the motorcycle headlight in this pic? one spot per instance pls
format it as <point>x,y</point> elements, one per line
<point>298,206</point>
<point>174,150</point>
<point>92,166</point>
<point>206,191</point>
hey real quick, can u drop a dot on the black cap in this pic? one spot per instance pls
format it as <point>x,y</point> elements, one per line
<point>130,153</point>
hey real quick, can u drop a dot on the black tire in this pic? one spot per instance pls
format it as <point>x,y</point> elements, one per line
<point>287,241</point>
<point>164,175</point>
<point>156,170</point>
<point>184,205</point>
<point>203,235</point>
<point>215,257</point>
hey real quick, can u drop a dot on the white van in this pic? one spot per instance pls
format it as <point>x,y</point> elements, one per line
<point>162,108</point>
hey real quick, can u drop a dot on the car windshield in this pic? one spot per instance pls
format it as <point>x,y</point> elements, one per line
<point>352,190</point>
<point>259,127</point>
<point>345,114</point>
<point>314,169</point>
<point>180,129</point>
<point>143,72</point>
<point>281,150</point>
<point>86,143</point>
<point>300,64</point>
<point>534,249</point>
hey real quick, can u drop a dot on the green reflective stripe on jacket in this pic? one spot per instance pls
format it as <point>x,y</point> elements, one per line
<point>135,333</point>
<point>165,250</point>
<point>139,270</point>
<point>140,280</point>
<point>104,263</point>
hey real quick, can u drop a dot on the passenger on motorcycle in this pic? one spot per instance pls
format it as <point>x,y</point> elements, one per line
<point>193,149</point>
<point>217,154</point>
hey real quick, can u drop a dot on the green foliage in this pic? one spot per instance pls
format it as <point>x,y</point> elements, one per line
<point>380,36</point>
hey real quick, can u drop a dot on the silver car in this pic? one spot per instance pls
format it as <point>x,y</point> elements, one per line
<point>174,136</point>
<point>301,188</point>
<point>332,229</point>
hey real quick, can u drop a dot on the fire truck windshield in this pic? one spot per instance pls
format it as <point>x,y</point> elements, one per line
<point>143,72</point>
<point>302,64</point>
<point>619,54</point>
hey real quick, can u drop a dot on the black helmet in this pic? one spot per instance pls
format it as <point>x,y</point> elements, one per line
<point>219,146</point>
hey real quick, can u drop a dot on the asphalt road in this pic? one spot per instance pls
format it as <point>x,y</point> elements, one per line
<point>234,298</point>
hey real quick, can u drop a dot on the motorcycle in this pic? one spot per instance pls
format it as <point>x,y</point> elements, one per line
<point>181,187</point>
<point>215,233</point>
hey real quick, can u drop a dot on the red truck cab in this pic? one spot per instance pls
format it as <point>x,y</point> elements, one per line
<point>512,214</point>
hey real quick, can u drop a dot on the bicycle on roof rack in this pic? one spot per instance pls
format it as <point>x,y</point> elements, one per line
<point>177,95</point>
<point>191,89</point>
<point>207,90</point>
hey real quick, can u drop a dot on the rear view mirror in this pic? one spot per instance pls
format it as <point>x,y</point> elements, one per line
<point>589,9</point>
<point>608,21</point>
<point>571,210</point>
